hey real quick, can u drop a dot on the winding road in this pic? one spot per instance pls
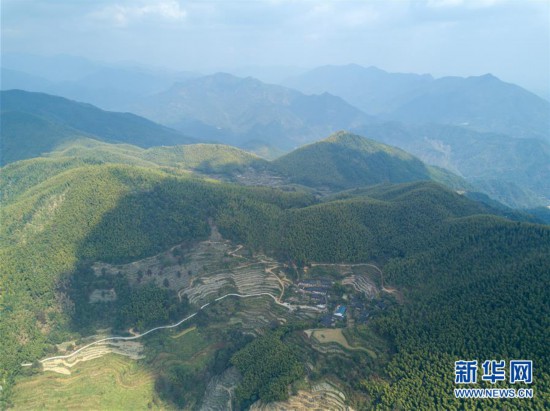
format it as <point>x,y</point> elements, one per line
<point>277,300</point>
<point>163,327</point>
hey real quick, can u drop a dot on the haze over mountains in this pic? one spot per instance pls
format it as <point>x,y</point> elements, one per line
<point>117,206</point>
<point>237,110</point>
<point>35,123</point>
<point>492,133</point>
<point>111,87</point>
<point>482,103</point>
<point>118,222</point>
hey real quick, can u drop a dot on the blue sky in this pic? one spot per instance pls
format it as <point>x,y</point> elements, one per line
<point>509,38</point>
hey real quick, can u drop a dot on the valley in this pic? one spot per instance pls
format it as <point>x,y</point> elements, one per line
<point>215,270</point>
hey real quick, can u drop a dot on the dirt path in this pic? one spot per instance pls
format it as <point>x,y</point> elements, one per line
<point>269,270</point>
<point>335,335</point>
<point>232,253</point>
<point>270,266</point>
<point>383,287</point>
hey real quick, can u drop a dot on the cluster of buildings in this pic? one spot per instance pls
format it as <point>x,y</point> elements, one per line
<point>317,290</point>
<point>351,309</point>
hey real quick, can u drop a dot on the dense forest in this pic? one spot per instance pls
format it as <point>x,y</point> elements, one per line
<point>268,366</point>
<point>134,307</point>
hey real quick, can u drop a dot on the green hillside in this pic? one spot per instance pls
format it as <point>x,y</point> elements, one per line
<point>347,160</point>
<point>205,158</point>
<point>25,135</point>
<point>94,212</point>
<point>91,201</point>
<point>208,159</point>
<point>339,162</point>
<point>34,123</point>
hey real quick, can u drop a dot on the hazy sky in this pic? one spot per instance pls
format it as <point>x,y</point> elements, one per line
<point>510,39</point>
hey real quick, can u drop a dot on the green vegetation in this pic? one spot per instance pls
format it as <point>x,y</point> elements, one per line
<point>182,375</point>
<point>110,382</point>
<point>480,295</point>
<point>138,307</point>
<point>40,136</point>
<point>268,366</point>
<point>348,160</point>
<point>204,158</point>
<point>109,213</point>
<point>34,123</point>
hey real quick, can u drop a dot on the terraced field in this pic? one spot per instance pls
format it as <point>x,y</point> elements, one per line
<point>320,397</point>
<point>220,391</point>
<point>177,264</point>
<point>131,349</point>
<point>250,278</point>
<point>111,382</point>
<point>228,287</point>
<point>361,283</point>
<point>202,272</point>
<point>334,335</point>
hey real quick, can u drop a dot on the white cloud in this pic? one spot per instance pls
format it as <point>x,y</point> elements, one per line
<point>472,4</point>
<point>444,3</point>
<point>122,15</point>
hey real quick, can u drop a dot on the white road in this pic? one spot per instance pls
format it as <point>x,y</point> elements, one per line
<point>163,327</point>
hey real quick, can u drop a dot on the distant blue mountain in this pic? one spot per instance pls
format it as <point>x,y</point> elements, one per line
<point>482,103</point>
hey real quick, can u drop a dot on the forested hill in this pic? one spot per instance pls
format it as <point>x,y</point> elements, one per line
<point>35,123</point>
<point>341,161</point>
<point>347,160</point>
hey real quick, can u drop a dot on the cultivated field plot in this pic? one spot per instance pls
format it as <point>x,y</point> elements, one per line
<point>247,278</point>
<point>320,397</point>
<point>335,335</point>
<point>365,278</point>
<point>202,272</point>
<point>179,265</point>
<point>131,349</point>
<point>228,287</point>
<point>112,382</point>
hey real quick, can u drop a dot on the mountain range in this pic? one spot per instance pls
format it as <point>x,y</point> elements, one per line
<point>110,87</point>
<point>514,171</point>
<point>481,103</point>
<point>493,134</point>
<point>239,110</point>
<point>265,119</point>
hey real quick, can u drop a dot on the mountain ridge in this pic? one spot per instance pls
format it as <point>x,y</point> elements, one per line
<point>237,110</point>
<point>483,103</point>
<point>82,119</point>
